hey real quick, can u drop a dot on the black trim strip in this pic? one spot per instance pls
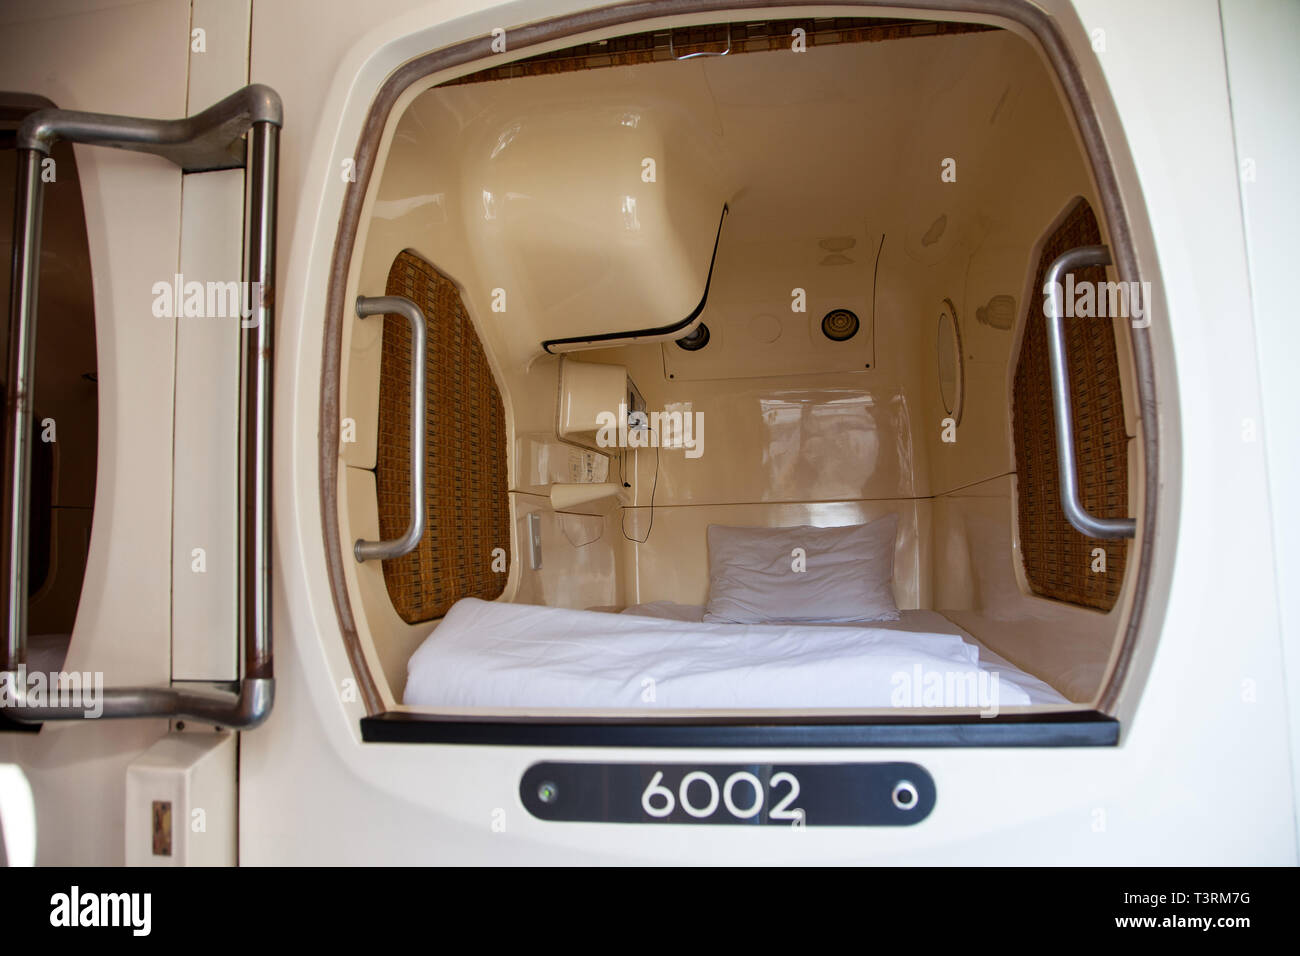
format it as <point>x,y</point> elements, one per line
<point>1085,728</point>
<point>663,329</point>
<point>10,726</point>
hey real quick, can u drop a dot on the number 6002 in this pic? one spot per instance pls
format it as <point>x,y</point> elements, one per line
<point>659,802</point>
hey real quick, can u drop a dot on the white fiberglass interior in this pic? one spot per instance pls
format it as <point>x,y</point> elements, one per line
<point>911,183</point>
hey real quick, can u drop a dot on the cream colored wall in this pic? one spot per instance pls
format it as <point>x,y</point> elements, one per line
<point>579,556</point>
<point>817,450</point>
<point>533,186</point>
<point>870,436</point>
<point>978,576</point>
<point>423,804</point>
<point>1018,169</point>
<point>83,60</point>
<point>979,583</point>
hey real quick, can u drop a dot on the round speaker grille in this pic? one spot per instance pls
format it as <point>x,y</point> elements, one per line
<point>696,340</point>
<point>840,325</point>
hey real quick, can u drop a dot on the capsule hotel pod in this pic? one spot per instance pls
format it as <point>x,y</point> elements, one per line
<point>650,433</point>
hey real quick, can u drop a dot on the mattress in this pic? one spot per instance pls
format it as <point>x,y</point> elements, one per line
<point>662,656</point>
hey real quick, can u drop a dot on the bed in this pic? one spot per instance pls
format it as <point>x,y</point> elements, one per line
<point>666,656</point>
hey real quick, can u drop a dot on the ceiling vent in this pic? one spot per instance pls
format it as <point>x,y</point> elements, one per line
<point>838,325</point>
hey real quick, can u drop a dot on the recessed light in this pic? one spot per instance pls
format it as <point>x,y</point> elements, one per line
<point>696,340</point>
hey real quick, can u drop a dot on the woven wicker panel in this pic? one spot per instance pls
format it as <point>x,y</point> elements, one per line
<point>1057,558</point>
<point>466,505</point>
<point>751,37</point>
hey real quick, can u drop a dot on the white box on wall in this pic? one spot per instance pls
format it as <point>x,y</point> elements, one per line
<point>587,390</point>
<point>181,802</point>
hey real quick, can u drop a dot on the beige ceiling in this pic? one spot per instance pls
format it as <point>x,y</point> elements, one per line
<point>534,186</point>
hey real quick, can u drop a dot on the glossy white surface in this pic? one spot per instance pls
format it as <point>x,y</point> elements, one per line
<point>1007,806</point>
<point>975,565</point>
<point>17,817</point>
<point>792,428</point>
<point>133,222</point>
<point>1260,62</point>
<point>589,391</point>
<point>846,431</point>
<point>194,774</point>
<point>204,617</point>
<point>1213,622</point>
<point>205,527</point>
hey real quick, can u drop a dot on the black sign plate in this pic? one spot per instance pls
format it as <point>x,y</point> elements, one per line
<point>793,795</point>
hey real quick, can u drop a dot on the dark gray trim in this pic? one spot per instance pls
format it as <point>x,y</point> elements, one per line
<point>11,726</point>
<point>1085,728</point>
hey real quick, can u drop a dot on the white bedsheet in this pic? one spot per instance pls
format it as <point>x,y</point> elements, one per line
<point>487,653</point>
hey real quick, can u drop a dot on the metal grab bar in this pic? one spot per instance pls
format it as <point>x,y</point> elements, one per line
<point>208,140</point>
<point>381,305</point>
<point>1084,521</point>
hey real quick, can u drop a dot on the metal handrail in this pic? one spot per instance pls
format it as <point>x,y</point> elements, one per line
<point>382,305</point>
<point>210,140</point>
<point>1083,520</point>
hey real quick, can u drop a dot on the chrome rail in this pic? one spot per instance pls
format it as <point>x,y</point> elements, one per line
<point>400,305</point>
<point>1083,521</point>
<point>210,140</point>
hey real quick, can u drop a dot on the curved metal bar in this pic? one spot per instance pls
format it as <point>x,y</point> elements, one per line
<point>382,305</point>
<point>239,710</point>
<point>203,141</point>
<point>22,363</point>
<point>256,399</point>
<point>1084,521</point>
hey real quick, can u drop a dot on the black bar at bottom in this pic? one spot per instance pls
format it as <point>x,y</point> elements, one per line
<point>1086,728</point>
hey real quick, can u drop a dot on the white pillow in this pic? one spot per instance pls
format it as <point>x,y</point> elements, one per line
<point>846,576</point>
